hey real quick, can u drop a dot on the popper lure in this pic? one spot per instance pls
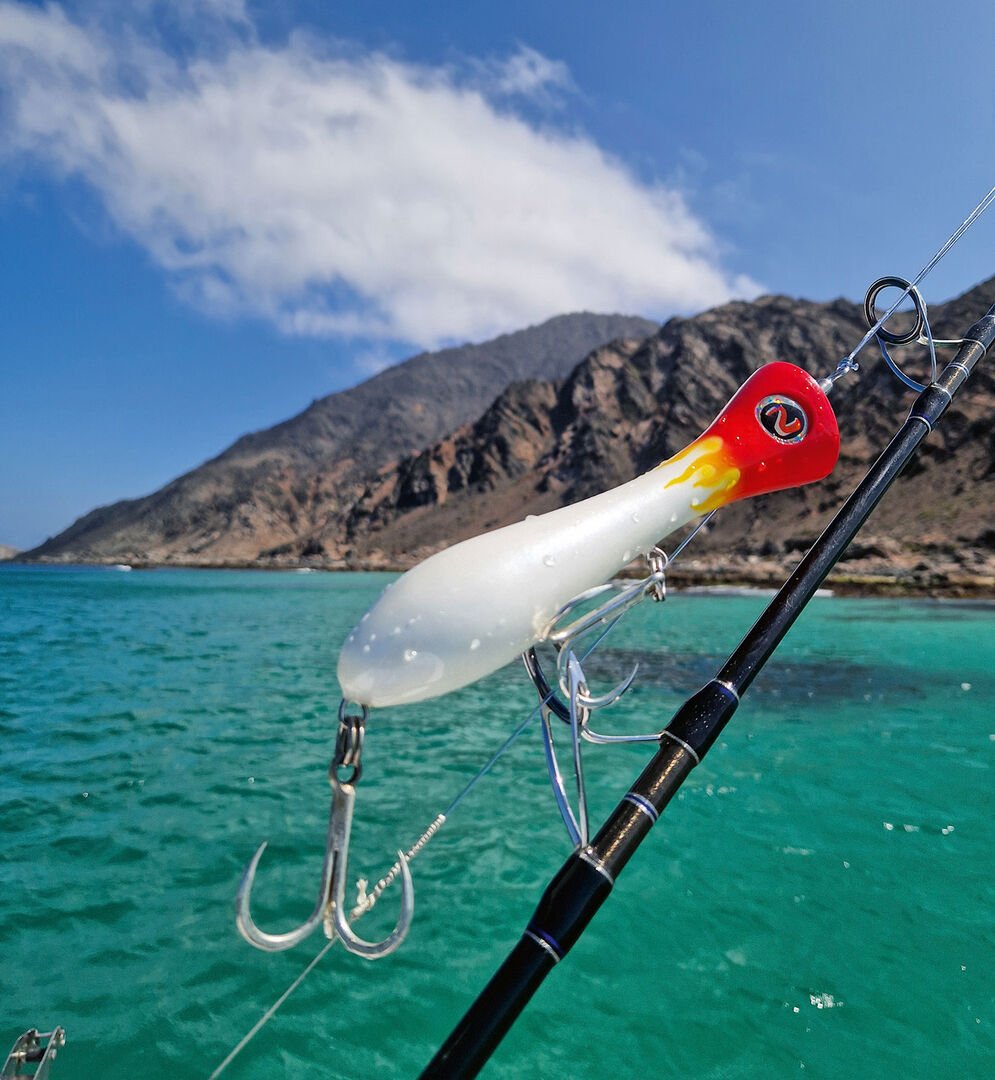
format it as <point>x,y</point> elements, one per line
<point>429,633</point>
<point>472,608</point>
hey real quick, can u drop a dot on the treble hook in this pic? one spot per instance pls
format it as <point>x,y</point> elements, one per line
<point>330,907</point>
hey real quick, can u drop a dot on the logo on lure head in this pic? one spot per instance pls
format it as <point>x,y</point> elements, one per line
<point>782,418</point>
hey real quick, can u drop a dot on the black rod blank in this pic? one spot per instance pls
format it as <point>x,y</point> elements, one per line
<point>584,881</point>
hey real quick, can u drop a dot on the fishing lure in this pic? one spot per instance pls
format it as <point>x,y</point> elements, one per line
<point>468,610</point>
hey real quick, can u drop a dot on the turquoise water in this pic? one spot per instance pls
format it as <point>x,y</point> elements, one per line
<point>817,900</point>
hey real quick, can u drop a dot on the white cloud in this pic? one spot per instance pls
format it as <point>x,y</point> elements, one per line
<point>353,195</point>
<point>529,74</point>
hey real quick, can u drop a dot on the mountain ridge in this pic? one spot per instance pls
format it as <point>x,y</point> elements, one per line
<point>272,485</point>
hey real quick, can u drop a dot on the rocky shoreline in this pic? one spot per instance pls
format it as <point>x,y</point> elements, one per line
<point>911,575</point>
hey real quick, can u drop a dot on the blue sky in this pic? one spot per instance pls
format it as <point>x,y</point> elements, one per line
<point>212,212</point>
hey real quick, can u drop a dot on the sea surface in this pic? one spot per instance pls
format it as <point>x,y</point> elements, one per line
<point>819,900</point>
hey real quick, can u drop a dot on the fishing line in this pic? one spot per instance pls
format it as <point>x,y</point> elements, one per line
<point>270,1012</point>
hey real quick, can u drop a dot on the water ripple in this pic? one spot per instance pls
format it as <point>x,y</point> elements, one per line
<point>157,726</point>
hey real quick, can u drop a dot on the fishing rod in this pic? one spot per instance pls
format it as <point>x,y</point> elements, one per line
<point>586,878</point>
<point>469,609</point>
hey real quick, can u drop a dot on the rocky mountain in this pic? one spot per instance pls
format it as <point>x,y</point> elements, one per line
<point>630,405</point>
<point>405,480</point>
<point>283,490</point>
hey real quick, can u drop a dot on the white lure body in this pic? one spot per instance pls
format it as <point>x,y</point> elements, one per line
<point>469,610</point>
<point>472,608</point>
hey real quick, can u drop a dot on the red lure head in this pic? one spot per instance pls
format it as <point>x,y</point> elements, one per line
<point>778,430</point>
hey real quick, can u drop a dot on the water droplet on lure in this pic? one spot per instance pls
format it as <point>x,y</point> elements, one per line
<point>626,556</point>
<point>409,655</point>
<point>475,644</point>
<point>549,560</point>
<point>635,519</point>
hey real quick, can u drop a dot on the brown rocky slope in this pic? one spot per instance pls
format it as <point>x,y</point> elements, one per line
<point>629,406</point>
